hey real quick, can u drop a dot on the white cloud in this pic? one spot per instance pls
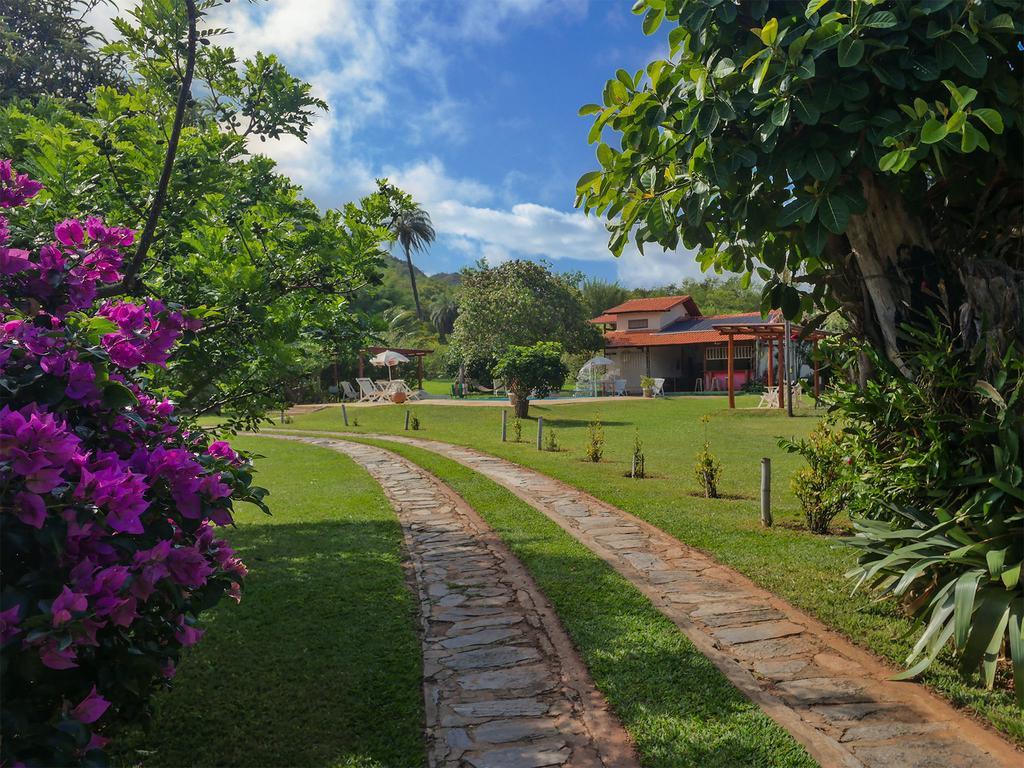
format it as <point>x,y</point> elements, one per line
<point>364,57</point>
<point>486,19</point>
<point>430,184</point>
<point>527,230</point>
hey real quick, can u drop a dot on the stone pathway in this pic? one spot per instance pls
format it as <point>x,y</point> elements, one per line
<point>832,696</point>
<point>503,685</point>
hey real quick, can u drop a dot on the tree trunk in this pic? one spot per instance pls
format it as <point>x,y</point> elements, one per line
<point>880,239</point>
<point>134,266</point>
<point>521,405</point>
<point>412,279</point>
<point>993,307</point>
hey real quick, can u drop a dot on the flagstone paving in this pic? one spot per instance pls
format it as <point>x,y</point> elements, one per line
<point>835,698</point>
<point>503,685</point>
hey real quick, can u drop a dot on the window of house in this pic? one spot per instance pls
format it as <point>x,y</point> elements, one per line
<point>636,325</point>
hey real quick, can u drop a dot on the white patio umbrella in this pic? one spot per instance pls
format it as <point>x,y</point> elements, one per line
<point>597,362</point>
<point>389,358</point>
<point>590,369</point>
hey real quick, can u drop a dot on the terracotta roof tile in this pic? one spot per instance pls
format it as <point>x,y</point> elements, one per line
<point>632,339</point>
<point>652,304</point>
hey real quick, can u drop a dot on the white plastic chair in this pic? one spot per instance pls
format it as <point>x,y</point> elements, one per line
<point>658,390</point>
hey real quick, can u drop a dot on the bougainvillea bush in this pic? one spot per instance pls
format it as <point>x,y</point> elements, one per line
<point>109,505</point>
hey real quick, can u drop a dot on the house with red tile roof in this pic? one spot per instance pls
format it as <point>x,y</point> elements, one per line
<point>668,337</point>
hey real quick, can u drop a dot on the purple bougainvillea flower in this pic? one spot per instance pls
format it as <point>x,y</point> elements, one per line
<point>188,566</point>
<point>96,742</point>
<point>38,446</point>
<point>123,352</point>
<point>91,708</point>
<point>221,449</point>
<point>81,382</point>
<point>54,658</point>
<point>187,635</point>
<point>13,260</point>
<point>67,603</point>
<point>213,488</point>
<point>31,509</point>
<point>69,232</point>
<point>9,624</point>
<point>108,482</point>
<point>15,188</point>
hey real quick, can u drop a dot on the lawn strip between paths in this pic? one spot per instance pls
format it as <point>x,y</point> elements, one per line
<point>679,709</point>
<point>503,685</point>
<point>833,697</point>
<point>320,664</point>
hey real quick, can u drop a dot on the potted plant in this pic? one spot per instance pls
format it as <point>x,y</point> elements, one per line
<point>398,397</point>
<point>647,385</point>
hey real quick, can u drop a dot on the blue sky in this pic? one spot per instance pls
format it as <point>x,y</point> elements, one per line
<point>470,105</point>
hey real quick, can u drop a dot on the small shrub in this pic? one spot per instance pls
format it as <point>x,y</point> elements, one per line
<point>517,430</point>
<point>708,471</point>
<point>825,486</point>
<point>355,421</point>
<point>637,465</point>
<point>414,423</point>
<point>646,382</point>
<point>595,442</point>
<point>551,442</point>
<point>708,468</point>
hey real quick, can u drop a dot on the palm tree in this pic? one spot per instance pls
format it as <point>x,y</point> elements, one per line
<point>442,315</point>
<point>414,232</point>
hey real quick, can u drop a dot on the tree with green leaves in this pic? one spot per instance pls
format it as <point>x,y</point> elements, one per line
<point>414,231</point>
<point>599,295</point>
<point>276,276</point>
<point>533,371</point>
<point>443,310</point>
<point>48,48</point>
<point>518,303</point>
<point>861,157</point>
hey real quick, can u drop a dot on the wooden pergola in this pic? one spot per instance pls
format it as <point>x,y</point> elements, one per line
<point>418,354</point>
<point>772,333</point>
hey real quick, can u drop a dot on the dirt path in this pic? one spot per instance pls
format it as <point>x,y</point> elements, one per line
<point>832,696</point>
<point>503,685</point>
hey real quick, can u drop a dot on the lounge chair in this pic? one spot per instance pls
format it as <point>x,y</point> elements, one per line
<point>347,391</point>
<point>769,398</point>
<point>620,387</point>
<point>658,390</point>
<point>368,392</point>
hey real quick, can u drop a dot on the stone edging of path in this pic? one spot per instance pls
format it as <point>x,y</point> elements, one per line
<point>833,697</point>
<point>503,685</point>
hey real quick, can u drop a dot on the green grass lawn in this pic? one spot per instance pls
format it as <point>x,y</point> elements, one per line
<point>438,386</point>
<point>320,664</point>
<point>804,568</point>
<point>680,710</point>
